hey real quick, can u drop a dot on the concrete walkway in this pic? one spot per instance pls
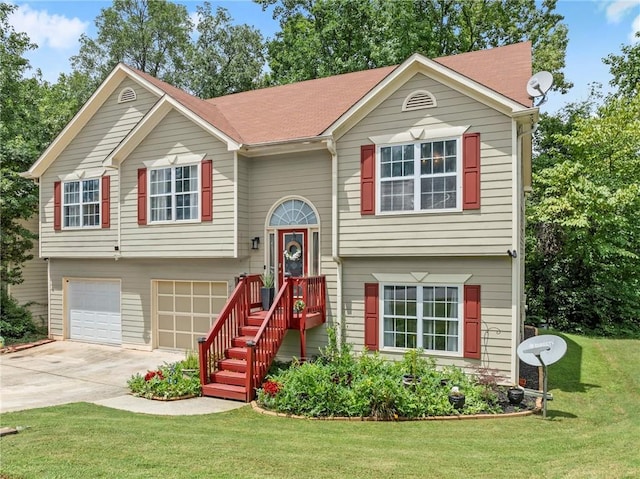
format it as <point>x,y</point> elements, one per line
<point>64,372</point>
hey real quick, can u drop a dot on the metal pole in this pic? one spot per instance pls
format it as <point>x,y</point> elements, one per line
<point>544,387</point>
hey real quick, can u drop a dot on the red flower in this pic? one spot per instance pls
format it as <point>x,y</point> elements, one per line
<point>271,388</point>
<point>151,374</point>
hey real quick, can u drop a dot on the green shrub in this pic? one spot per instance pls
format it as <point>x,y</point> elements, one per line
<point>167,382</point>
<point>190,360</point>
<point>16,321</point>
<point>366,385</point>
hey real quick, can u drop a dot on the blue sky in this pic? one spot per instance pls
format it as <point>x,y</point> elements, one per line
<point>596,29</point>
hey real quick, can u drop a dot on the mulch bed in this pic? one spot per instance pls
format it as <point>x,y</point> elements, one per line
<point>527,372</point>
<point>526,408</point>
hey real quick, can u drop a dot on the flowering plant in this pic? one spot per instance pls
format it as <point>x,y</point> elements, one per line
<point>168,381</point>
<point>270,388</point>
<point>292,256</point>
<point>152,374</point>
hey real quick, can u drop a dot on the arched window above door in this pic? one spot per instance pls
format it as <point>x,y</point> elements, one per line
<point>293,213</point>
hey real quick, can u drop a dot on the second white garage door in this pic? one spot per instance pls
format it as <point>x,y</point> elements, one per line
<point>93,309</point>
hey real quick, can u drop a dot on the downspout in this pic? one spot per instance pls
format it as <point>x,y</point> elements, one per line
<point>334,236</point>
<point>517,269</point>
<point>235,203</point>
<point>118,247</point>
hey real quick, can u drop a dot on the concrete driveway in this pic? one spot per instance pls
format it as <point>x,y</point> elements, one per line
<point>64,371</point>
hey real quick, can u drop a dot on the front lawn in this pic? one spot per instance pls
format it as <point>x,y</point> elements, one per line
<point>593,422</point>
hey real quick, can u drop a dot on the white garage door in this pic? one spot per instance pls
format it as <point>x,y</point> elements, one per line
<point>94,311</point>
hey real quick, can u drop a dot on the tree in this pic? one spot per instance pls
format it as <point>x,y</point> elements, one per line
<point>150,35</point>
<point>583,263</point>
<point>226,58</point>
<point>18,148</point>
<point>625,68</point>
<point>327,37</point>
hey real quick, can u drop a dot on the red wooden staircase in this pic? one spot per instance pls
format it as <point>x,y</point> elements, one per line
<point>244,340</point>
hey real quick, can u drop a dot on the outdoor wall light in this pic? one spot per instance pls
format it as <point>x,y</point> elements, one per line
<point>255,242</point>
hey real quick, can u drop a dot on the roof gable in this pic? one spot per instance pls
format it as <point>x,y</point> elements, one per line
<point>313,108</point>
<point>80,119</point>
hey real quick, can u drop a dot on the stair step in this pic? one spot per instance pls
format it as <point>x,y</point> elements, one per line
<point>224,391</point>
<point>236,353</point>
<point>249,330</point>
<point>235,365</point>
<point>256,318</point>
<point>241,341</point>
<point>230,377</point>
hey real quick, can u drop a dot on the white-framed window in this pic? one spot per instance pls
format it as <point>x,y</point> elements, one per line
<point>420,176</point>
<point>174,193</point>
<point>81,203</point>
<point>422,316</point>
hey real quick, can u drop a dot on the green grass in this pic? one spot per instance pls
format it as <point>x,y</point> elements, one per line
<point>592,431</point>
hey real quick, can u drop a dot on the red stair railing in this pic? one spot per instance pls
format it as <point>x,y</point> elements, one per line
<point>245,297</point>
<point>262,351</point>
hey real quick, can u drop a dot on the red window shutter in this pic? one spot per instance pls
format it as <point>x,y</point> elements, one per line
<point>106,202</point>
<point>368,179</point>
<point>206,192</point>
<point>471,171</point>
<point>472,321</point>
<point>57,206</point>
<point>371,319</point>
<point>142,196</point>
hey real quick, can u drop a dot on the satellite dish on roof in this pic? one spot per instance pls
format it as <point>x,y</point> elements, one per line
<point>538,85</point>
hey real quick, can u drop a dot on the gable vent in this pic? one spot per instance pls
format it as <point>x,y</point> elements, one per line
<point>127,94</point>
<point>418,100</point>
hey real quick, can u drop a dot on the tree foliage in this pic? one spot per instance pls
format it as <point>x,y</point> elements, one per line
<point>226,58</point>
<point>157,37</point>
<point>625,69</point>
<point>18,147</point>
<point>150,35</point>
<point>583,263</point>
<point>327,37</point>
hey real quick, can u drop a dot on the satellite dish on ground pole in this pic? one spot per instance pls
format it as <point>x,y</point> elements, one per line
<point>538,86</point>
<point>542,351</point>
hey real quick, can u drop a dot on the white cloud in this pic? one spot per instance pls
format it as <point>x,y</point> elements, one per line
<point>55,31</point>
<point>617,9</point>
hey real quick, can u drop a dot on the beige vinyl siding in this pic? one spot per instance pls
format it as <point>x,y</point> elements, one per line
<point>87,150</point>
<point>245,234</point>
<point>473,232</point>
<point>492,274</point>
<point>33,289</point>
<point>174,136</point>
<point>273,179</point>
<point>136,276</point>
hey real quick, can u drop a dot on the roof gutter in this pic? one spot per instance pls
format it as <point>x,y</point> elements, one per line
<point>280,146</point>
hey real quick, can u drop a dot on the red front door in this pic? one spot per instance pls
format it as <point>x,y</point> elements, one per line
<point>292,256</point>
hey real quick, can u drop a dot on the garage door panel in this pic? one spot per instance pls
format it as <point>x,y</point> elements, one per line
<point>186,310</point>
<point>94,311</point>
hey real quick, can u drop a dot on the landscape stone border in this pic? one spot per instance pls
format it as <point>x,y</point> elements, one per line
<point>21,347</point>
<point>529,412</point>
